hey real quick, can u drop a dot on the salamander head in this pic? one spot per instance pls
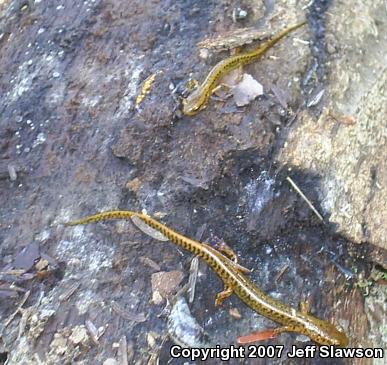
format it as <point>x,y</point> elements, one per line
<point>195,102</point>
<point>325,333</point>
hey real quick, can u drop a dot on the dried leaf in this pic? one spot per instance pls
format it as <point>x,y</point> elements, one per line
<point>148,230</point>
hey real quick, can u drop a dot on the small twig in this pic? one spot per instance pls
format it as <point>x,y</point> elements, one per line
<point>279,275</point>
<point>68,293</point>
<point>305,198</point>
<point>12,287</point>
<point>15,272</point>
<point>12,316</point>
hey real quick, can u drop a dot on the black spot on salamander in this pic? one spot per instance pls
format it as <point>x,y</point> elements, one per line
<point>222,271</point>
<point>243,295</point>
<point>216,267</point>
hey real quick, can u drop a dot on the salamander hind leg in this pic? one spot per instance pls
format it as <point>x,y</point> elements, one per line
<point>227,251</point>
<point>222,296</point>
<point>231,255</point>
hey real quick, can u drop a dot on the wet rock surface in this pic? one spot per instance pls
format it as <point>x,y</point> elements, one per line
<point>73,142</point>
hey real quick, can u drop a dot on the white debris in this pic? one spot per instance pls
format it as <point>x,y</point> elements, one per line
<point>246,90</point>
<point>40,139</point>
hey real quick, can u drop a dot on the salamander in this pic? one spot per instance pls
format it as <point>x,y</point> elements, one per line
<point>292,320</point>
<point>198,99</point>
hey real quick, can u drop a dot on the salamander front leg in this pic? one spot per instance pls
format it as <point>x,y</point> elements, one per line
<point>305,306</point>
<point>219,87</point>
<point>228,83</point>
<point>222,296</point>
<point>192,84</point>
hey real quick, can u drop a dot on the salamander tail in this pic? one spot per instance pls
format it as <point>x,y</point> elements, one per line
<point>113,214</point>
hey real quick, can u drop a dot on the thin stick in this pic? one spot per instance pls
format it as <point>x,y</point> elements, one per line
<point>12,316</point>
<point>279,275</point>
<point>305,198</point>
<point>68,293</point>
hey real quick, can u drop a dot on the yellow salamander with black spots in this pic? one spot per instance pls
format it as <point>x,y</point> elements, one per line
<point>198,99</point>
<point>320,331</point>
